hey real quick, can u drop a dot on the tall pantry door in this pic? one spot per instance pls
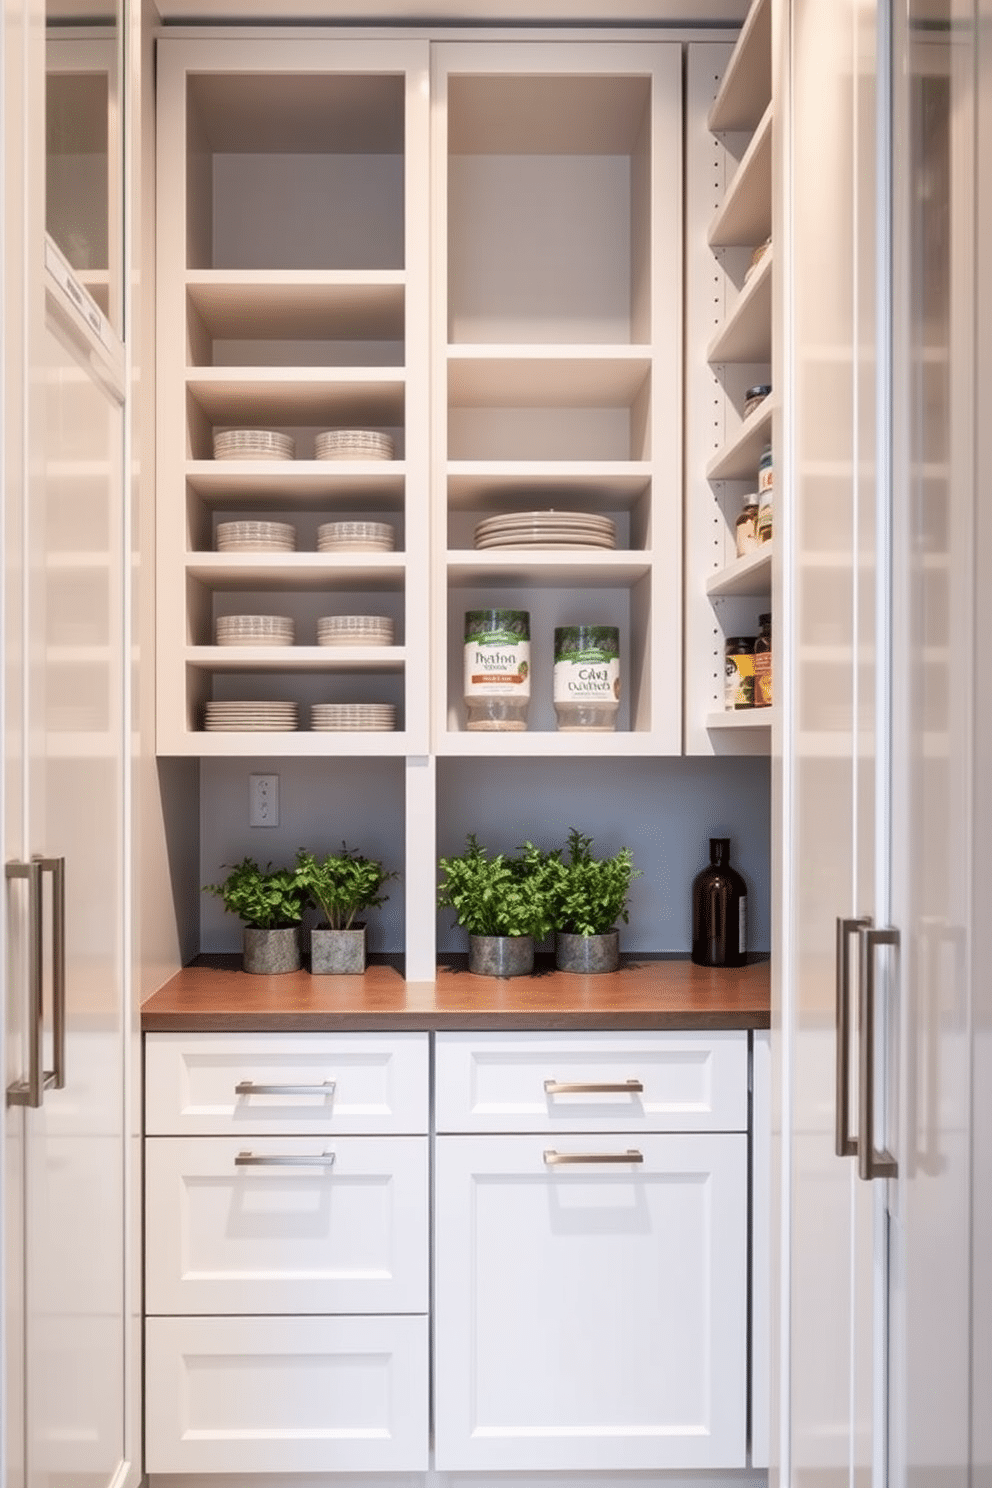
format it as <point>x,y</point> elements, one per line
<point>829,662</point>
<point>940,897</point>
<point>63,803</point>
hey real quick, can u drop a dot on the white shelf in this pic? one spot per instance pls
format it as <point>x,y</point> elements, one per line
<point>386,659</point>
<point>267,483</point>
<point>255,397</point>
<point>299,305</point>
<point>546,376</point>
<point>298,570</point>
<point>602,484</point>
<point>746,87</point>
<point>538,743</point>
<point>745,217</point>
<point>747,576</point>
<point>546,569</point>
<point>739,457</point>
<point>746,334</point>
<point>741,719</point>
<point>294,743</point>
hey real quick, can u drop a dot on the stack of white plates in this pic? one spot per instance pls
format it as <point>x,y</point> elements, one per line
<point>374,717</point>
<point>255,537</point>
<point>353,444</point>
<point>546,529</point>
<point>254,630</point>
<point>354,630</point>
<point>250,717</point>
<point>253,444</point>
<point>355,537</point>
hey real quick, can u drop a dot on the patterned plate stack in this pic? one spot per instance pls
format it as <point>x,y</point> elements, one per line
<point>353,444</point>
<point>253,444</point>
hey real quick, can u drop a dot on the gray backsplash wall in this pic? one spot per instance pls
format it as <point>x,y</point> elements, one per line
<point>665,810</point>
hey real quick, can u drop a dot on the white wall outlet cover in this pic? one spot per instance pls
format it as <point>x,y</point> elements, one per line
<point>263,800</point>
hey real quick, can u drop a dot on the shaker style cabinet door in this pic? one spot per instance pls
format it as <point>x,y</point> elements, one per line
<point>591,1314</point>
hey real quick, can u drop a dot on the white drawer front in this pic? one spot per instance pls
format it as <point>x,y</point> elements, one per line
<point>280,1224</point>
<point>654,1082</point>
<point>294,1394</point>
<point>209,1083</point>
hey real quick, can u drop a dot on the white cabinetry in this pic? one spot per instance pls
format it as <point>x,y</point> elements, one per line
<point>557,280</point>
<point>591,1252</point>
<point>729,115</point>
<point>292,294</point>
<point>286,1253</point>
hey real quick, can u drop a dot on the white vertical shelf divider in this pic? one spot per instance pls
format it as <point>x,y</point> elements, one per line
<point>723,595</point>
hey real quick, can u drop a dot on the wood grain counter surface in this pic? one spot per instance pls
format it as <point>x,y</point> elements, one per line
<point>214,995</point>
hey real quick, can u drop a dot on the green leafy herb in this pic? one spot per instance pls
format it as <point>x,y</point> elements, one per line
<point>499,895</point>
<point>264,898</point>
<point>589,895</point>
<point>342,884</point>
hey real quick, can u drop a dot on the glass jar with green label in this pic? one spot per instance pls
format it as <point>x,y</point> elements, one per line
<point>497,669</point>
<point>587,678</point>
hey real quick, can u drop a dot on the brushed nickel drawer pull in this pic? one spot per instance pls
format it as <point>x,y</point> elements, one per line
<point>285,1160</point>
<point>248,1087</point>
<point>577,1087</point>
<point>554,1159</point>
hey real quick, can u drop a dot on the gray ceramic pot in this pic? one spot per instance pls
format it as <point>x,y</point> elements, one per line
<point>337,952</point>
<point>271,952</point>
<point>589,954</point>
<point>501,955</point>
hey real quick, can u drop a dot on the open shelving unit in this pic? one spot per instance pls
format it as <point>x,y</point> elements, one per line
<point>557,286</point>
<point>729,113</point>
<point>292,291</point>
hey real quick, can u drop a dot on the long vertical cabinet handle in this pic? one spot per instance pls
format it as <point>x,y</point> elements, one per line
<point>844,1144</point>
<point>29,1092</point>
<point>871,1164</point>
<point>55,1078</point>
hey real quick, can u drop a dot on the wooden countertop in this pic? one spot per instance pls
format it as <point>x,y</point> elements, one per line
<point>215,995</point>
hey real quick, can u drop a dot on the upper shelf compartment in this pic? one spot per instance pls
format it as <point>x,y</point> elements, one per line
<point>267,160</point>
<point>745,218</point>
<point>548,192</point>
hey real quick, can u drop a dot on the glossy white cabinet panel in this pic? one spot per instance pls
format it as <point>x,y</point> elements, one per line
<point>653,1082</point>
<point>286,1394</point>
<point>232,1228</point>
<point>356,1083</point>
<point>591,1315</point>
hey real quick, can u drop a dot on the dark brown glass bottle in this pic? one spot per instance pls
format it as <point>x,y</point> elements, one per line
<point>719,911</point>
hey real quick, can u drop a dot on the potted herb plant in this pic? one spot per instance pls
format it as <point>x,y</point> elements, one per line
<point>270,901</point>
<point>588,900</point>
<point>340,886</point>
<point>502,902</point>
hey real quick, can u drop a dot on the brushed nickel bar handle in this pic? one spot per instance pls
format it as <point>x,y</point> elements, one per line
<point>249,1087</point>
<point>575,1087</point>
<point>554,1159</point>
<point>844,1144</point>
<point>29,1092</point>
<point>284,1160</point>
<point>55,1077</point>
<point>871,1164</point>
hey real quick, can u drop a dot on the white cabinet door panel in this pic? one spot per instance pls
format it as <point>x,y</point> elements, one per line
<point>323,1082</point>
<point>689,1082</point>
<point>591,1316</point>
<point>286,1394</point>
<point>345,1230</point>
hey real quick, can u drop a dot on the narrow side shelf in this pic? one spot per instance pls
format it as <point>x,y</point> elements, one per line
<point>739,457</point>
<point>745,217</point>
<point>750,575</point>
<point>746,334</point>
<point>746,88</point>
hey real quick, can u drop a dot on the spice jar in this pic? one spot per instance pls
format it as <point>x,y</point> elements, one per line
<point>763,663</point>
<point>746,530</point>
<point>755,396</point>
<point>587,678</point>
<point>765,482</point>
<point>739,673</point>
<point>497,669</point>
